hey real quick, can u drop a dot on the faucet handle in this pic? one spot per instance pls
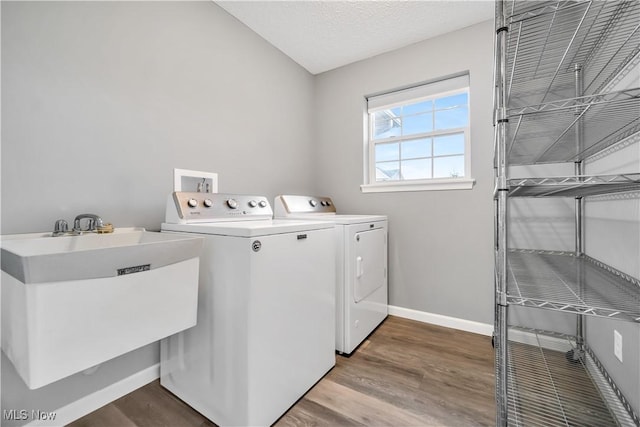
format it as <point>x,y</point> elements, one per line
<point>61,227</point>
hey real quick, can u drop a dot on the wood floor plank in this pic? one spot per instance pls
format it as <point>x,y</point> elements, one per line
<point>152,406</point>
<point>364,408</point>
<point>107,416</point>
<point>311,414</point>
<point>390,389</point>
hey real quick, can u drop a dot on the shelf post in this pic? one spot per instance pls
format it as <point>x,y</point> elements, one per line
<point>500,163</point>
<point>579,215</point>
<point>578,164</point>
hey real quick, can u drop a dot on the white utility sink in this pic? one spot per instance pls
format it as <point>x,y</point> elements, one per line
<point>72,302</point>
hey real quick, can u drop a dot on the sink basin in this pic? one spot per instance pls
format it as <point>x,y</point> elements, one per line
<point>72,302</point>
<point>38,258</point>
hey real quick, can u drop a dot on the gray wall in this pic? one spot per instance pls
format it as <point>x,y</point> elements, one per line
<point>440,242</point>
<point>101,100</point>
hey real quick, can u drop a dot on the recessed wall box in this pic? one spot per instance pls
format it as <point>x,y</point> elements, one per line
<point>195,181</point>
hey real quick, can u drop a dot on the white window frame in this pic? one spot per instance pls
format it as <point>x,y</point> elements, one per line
<point>428,91</point>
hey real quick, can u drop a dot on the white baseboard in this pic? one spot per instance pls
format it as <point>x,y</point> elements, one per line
<point>440,320</point>
<point>544,341</point>
<point>98,399</point>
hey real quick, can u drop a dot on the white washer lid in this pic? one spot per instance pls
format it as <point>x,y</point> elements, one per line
<point>249,228</point>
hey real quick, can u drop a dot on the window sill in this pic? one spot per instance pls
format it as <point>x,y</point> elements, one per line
<point>430,185</point>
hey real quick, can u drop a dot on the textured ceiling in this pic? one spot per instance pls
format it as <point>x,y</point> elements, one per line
<point>322,35</point>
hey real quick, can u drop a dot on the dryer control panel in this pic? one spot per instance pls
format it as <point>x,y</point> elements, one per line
<point>288,204</point>
<point>185,207</point>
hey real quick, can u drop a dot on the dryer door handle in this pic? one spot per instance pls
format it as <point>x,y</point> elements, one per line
<point>359,267</point>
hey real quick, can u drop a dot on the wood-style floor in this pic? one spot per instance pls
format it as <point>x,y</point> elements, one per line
<point>406,373</point>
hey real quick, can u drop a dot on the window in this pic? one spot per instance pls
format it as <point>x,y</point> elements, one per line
<point>418,138</point>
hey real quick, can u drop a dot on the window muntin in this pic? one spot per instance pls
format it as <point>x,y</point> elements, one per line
<point>420,139</point>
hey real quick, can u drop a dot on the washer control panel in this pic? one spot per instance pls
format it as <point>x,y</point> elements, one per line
<point>211,207</point>
<point>304,204</point>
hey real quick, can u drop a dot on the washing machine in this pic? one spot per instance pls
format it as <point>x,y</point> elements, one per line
<point>265,327</point>
<point>361,265</point>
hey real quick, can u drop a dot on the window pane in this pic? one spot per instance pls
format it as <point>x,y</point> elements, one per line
<point>386,152</point>
<point>448,167</point>
<point>387,171</point>
<point>449,144</point>
<point>386,124</point>
<point>453,118</point>
<point>416,148</point>
<point>418,107</point>
<point>416,169</point>
<point>452,101</point>
<point>417,124</point>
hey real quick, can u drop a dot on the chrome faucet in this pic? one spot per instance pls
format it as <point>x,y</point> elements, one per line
<point>93,224</point>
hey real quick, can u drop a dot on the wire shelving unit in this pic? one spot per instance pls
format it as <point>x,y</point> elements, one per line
<point>573,186</point>
<point>545,390</point>
<point>546,133</point>
<point>547,38</point>
<point>564,282</point>
<point>557,70</point>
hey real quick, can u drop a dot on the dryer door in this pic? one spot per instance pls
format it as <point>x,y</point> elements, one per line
<point>370,263</point>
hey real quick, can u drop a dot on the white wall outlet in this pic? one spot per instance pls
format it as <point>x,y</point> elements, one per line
<point>617,345</point>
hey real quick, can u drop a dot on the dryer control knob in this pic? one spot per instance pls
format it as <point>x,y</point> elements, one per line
<point>192,203</point>
<point>263,204</point>
<point>232,204</point>
<point>253,203</point>
<point>313,203</point>
<point>208,203</point>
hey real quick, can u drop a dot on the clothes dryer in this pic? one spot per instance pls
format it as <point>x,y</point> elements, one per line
<point>361,265</point>
<point>266,307</point>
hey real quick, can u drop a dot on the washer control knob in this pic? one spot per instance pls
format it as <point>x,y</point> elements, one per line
<point>323,203</point>
<point>253,203</point>
<point>263,204</point>
<point>232,203</point>
<point>192,203</point>
<point>208,203</point>
<point>313,203</point>
<point>328,203</point>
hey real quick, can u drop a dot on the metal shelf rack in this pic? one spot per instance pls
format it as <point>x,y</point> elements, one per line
<point>574,186</point>
<point>557,64</point>
<point>564,282</point>
<point>547,391</point>
<point>546,39</point>
<point>546,133</point>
